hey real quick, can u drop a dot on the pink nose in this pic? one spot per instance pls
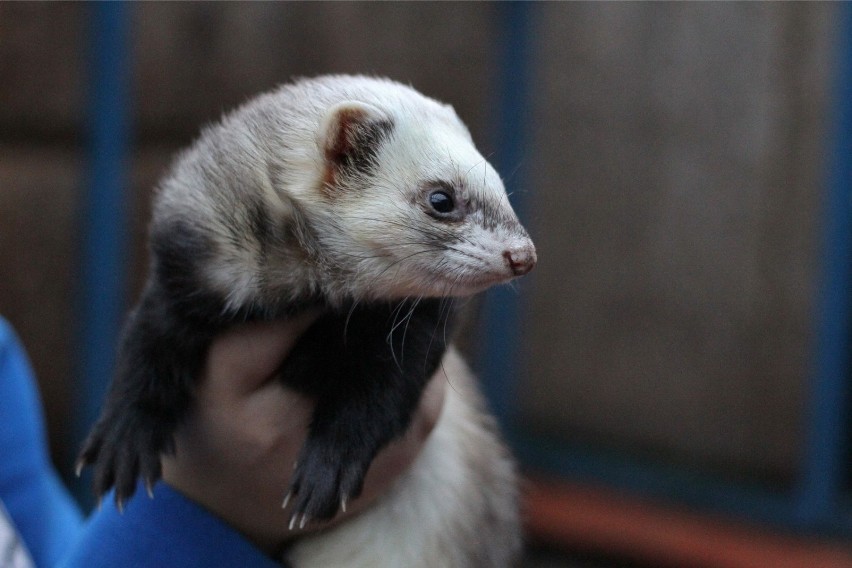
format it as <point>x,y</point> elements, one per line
<point>520,260</point>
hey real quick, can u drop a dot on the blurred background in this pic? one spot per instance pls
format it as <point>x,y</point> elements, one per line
<point>673,375</point>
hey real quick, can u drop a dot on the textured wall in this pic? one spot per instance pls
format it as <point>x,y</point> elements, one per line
<point>677,173</point>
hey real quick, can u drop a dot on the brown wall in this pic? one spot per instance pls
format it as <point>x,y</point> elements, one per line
<point>677,181</point>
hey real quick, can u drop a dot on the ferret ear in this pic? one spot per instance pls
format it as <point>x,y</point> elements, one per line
<point>353,132</point>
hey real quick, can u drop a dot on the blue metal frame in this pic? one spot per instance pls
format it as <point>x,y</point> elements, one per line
<point>825,472</point>
<point>820,501</point>
<point>105,215</point>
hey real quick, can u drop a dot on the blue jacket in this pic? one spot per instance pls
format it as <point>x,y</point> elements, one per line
<point>166,531</point>
<point>45,516</point>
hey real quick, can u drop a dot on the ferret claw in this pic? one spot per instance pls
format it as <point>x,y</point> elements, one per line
<point>79,467</point>
<point>343,504</point>
<point>149,488</point>
<point>286,499</point>
<point>304,521</point>
<point>292,521</point>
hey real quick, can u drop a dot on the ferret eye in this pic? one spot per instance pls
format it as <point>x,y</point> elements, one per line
<point>441,202</point>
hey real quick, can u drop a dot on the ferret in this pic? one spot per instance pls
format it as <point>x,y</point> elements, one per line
<point>365,198</point>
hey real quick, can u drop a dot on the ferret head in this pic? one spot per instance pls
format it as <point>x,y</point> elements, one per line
<point>412,208</point>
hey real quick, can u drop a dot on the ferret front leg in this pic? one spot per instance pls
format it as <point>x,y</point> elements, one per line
<point>158,363</point>
<point>367,388</point>
<point>343,440</point>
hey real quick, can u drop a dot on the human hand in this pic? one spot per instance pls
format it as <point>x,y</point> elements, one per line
<point>235,452</point>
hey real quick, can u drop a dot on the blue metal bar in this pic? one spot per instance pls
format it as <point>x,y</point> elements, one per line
<point>104,215</point>
<point>825,469</point>
<point>500,321</point>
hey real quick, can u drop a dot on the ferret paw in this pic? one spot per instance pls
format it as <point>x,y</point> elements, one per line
<point>322,484</point>
<point>121,451</point>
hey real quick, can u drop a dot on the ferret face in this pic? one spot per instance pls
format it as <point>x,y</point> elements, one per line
<point>421,212</point>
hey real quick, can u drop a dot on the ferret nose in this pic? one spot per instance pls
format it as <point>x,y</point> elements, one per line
<point>520,260</point>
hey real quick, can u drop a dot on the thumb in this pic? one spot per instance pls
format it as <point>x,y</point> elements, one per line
<point>246,357</point>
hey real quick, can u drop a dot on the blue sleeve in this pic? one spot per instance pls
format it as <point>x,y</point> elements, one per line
<point>166,530</point>
<point>39,505</point>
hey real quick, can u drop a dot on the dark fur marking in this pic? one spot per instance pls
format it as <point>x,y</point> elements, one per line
<point>365,145</point>
<point>353,147</point>
<point>260,225</point>
<point>179,251</point>
<point>494,215</point>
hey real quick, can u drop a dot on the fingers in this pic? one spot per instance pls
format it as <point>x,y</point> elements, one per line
<point>247,356</point>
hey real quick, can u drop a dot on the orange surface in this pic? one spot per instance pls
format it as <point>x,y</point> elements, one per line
<point>593,519</point>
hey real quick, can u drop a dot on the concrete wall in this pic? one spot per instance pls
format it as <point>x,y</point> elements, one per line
<point>675,175</point>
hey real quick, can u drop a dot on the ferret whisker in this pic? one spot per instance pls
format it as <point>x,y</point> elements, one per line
<point>396,323</point>
<point>395,264</point>
<point>463,253</point>
<point>389,337</point>
<point>512,286</point>
<point>484,172</point>
<point>349,317</point>
<point>446,318</point>
<point>467,173</point>
<point>427,231</point>
<point>445,301</point>
<point>515,170</point>
<point>443,368</point>
<point>405,329</point>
